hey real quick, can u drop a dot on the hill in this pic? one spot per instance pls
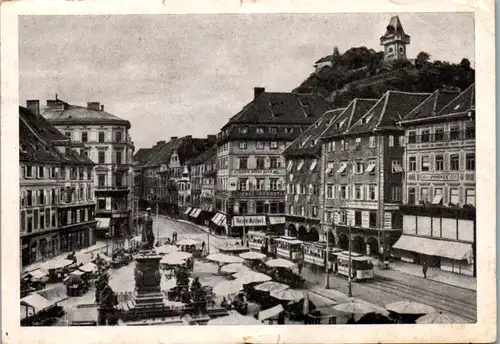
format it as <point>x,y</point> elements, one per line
<point>362,73</point>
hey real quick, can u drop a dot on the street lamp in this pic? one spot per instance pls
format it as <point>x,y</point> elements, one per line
<point>327,258</point>
<point>349,279</point>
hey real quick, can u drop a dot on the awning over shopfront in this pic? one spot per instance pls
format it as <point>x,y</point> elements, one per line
<point>208,208</point>
<point>102,222</point>
<point>219,219</point>
<point>441,248</point>
<point>195,213</point>
<point>276,220</point>
<point>188,210</point>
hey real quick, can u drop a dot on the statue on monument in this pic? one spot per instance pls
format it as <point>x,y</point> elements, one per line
<point>148,237</point>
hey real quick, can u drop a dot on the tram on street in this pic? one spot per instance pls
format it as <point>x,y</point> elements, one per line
<point>361,266</point>
<point>289,248</point>
<point>315,254</point>
<point>259,240</point>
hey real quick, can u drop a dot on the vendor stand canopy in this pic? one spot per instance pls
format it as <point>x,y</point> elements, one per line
<point>409,307</point>
<point>252,255</point>
<point>89,267</point>
<point>227,288</point>
<point>166,249</point>
<point>287,295</point>
<point>188,242</point>
<point>280,263</point>
<point>38,274</point>
<point>441,318</point>
<point>55,293</point>
<point>33,304</point>
<point>172,260</point>
<point>234,268</point>
<point>358,307</point>
<point>167,284</point>
<point>224,258</point>
<point>56,264</point>
<point>271,286</point>
<point>439,248</point>
<point>269,313</point>
<point>235,318</point>
<point>248,277</point>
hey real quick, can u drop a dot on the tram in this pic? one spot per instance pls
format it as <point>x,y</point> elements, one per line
<point>288,248</point>
<point>315,254</point>
<point>259,241</point>
<point>361,266</point>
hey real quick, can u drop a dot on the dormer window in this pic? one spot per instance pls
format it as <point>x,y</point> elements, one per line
<point>313,165</point>
<point>299,167</point>
<point>329,168</point>
<point>342,169</point>
<point>273,130</point>
<point>243,130</point>
<point>290,165</point>
<point>260,130</point>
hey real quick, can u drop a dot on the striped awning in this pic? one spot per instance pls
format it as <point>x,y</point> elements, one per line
<point>188,210</point>
<point>195,213</point>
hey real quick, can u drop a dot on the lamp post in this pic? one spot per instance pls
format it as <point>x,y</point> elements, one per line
<point>157,225</point>
<point>349,279</point>
<point>327,258</point>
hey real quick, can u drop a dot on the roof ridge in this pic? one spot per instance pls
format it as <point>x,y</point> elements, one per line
<point>458,96</point>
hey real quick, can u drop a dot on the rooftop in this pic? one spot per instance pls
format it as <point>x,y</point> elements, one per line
<point>431,106</point>
<point>465,101</point>
<point>394,30</point>
<point>205,157</point>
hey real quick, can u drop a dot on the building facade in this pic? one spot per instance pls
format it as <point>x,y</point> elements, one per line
<point>57,203</point>
<point>251,171</point>
<point>107,143</point>
<point>363,172</point>
<point>440,191</point>
<point>303,182</point>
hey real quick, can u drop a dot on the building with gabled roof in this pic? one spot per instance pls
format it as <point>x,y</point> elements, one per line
<point>106,141</point>
<point>57,204</point>
<point>363,172</point>
<point>250,166</point>
<point>303,178</point>
<point>439,196</point>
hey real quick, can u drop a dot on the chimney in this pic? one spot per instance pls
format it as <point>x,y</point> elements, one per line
<point>93,106</point>
<point>160,143</point>
<point>102,107</point>
<point>257,91</point>
<point>173,138</point>
<point>33,106</point>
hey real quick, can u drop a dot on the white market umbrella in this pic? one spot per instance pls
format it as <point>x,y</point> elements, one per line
<point>172,260</point>
<point>235,318</point>
<point>234,268</point>
<point>89,267</point>
<point>441,318</point>
<point>187,242</point>
<point>166,249</point>
<point>224,258</point>
<point>252,255</point>
<point>356,307</point>
<point>247,277</point>
<point>227,288</point>
<point>287,295</point>
<point>38,273</point>
<point>280,263</point>
<point>271,286</point>
<point>409,307</point>
<point>168,284</point>
<point>180,255</point>
<point>57,264</point>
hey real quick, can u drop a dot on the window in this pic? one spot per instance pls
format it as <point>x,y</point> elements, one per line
<point>85,137</point>
<point>101,180</point>
<point>454,198</point>
<point>343,192</point>
<point>438,196</point>
<point>396,166</point>
<point>274,145</point>
<point>412,163</point>
<point>454,162</point>
<point>260,130</point>
<point>274,163</point>
<point>372,221</point>
<point>259,207</point>
<point>118,136</point>
<point>274,183</point>
<point>290,166</point>
<point>329,191</point>
<point>242,145</point>
<point>53,220</point>
<point>53,196</point>
<point>328,216</point>
<point>313,165</point>
<point>425,163</point>
<point>101,203</point>
<point>425,135</point>
<point>41,197</point>
<point>358,167</point>
<point>470,162</point>
<point>299,167</point>
<point>331,146</point>
<point>342,216</point>
<point>343,167</point>
<point>358,142</point>
<point>101,136</point>
<point>358,195</point>
<point>470,131</point>
<point>439,162</point>
<point>372,192</point>
<point>259,183</point>
<point>329,168</point>
<point>439,134</point>
<point>371,166</point>
<point>243,163</point>
<point>454,133</point>
<point>424,195</point>
<point>357,218</point>
<point>396,193</point>
<point>28,171</point>
<point>260,145</point>
<point>119,157</point>
<point>314,211</point>
<point>372,142</point>
<point>412,137</point>
<point>346,144</point>
<point>272,130</point>
<point>41,171</point>
<point>302,210</point>
<point>401,140</point>
<point>411,196</point>
<point>242,184</point>
<point>68,134</point>
<point>311,189</point>
<point>102,157</point>
<point>42,219</point>
<point>260,163</point>
<point>243,130</point>
<point>391,141</point>
<point>470,197</point>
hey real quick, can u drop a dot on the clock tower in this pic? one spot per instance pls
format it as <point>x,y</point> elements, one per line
<point>394,41</point>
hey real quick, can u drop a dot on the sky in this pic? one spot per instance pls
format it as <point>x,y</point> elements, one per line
<point>176,75</point>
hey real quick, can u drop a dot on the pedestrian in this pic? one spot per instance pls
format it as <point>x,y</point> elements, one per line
<point>203,246</point>
<point>299,266</point>
<point>424,268</point>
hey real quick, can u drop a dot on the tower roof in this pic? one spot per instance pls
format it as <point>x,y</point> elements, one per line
<point>394,32</point>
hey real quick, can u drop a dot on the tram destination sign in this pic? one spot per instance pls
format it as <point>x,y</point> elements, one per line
<point>438,176</point>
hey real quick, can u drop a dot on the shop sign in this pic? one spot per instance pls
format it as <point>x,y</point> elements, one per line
<point>259,193</point>
<point>438,176</point>
<point>240,221</point>
<point>275,220</point>
<point>263,172</point>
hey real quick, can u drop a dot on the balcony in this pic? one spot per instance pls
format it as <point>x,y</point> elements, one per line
<point>114,188</point>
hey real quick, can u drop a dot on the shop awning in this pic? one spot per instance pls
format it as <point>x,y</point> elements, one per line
<point>36,301</point>
<point>270,312</point>
<point>195,213</point>
<point>215,218</point>
<point>276,220</point>
<point>431,247</point>
<point>222,220</point>
<point>102,222</point>
<point>188,210</point>
<point>456,250</point>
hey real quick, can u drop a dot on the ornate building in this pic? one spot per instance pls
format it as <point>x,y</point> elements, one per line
<point>57,204</point>
<point>107,142</point>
